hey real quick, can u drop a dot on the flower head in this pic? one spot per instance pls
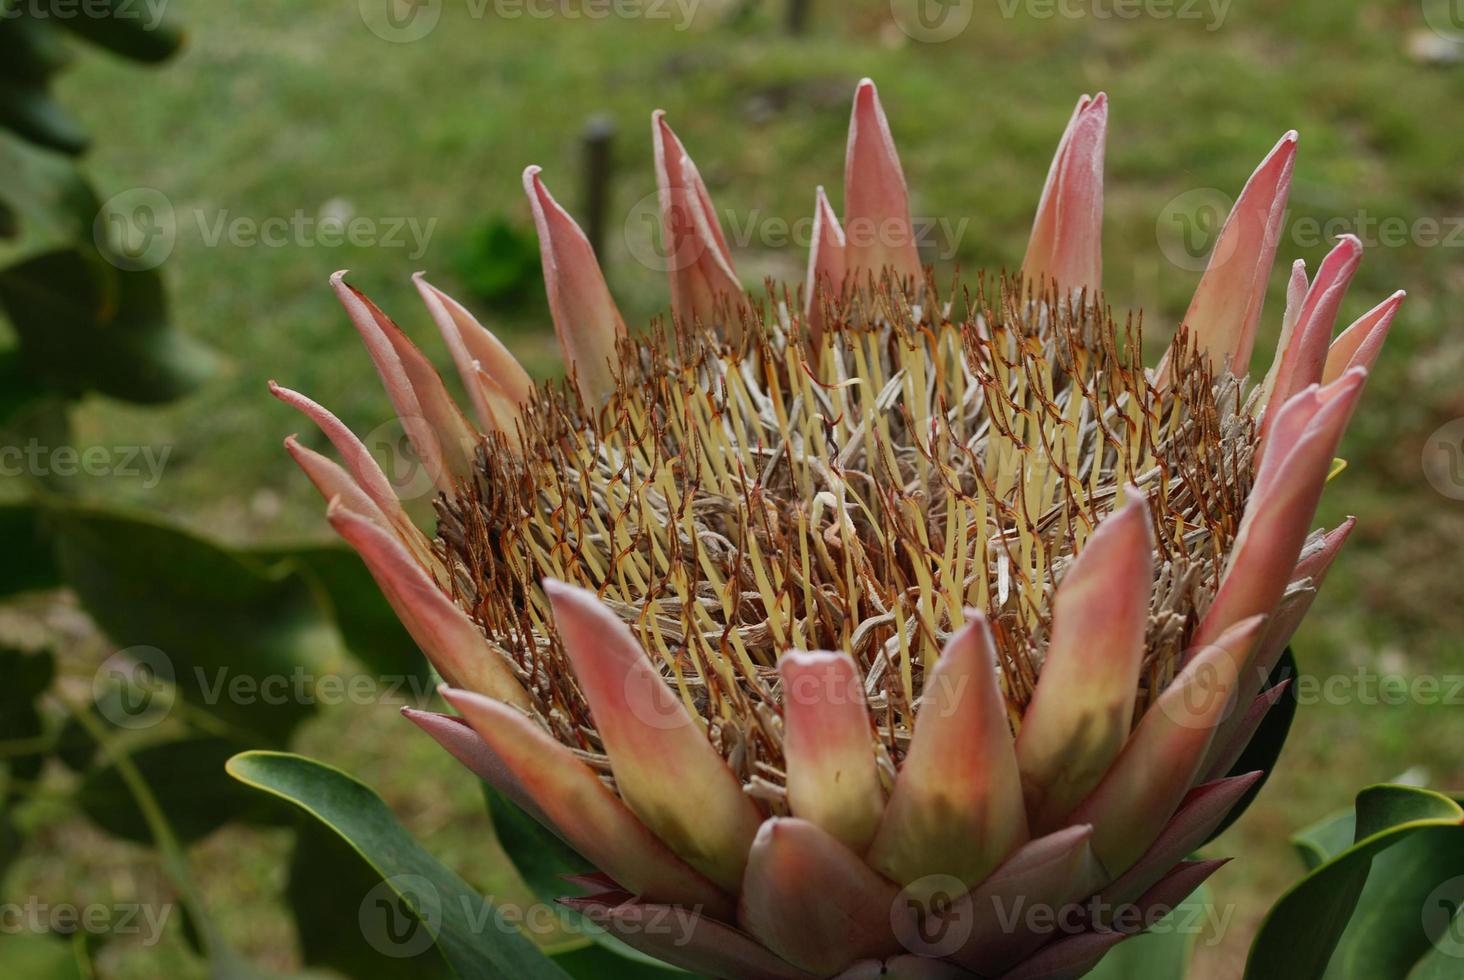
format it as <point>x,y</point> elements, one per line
<point>804,611</point>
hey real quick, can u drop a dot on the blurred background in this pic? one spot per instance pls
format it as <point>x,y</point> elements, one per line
<point>174,200</point>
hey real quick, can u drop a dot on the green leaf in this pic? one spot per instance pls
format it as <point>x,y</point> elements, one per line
<point>11,843</point>
<point>1441,963</point>
<point>28,562</point>
<point>1325,839</point>
<point>1163,953</point>
<point>31,49</point>
<point>54,206</point>
<point>188,779</point>
<point>28,110</point>
<point>542,860</point>
<point>369,627</point>
<point>25,677</point>
<point>129,28</point>
<point>499,263</point>
<point>86,325</point>
<point>323,867</point>
<point>1265,746</point>
<point>1407,909</point>
<point>38,958</point>
<point>598,962</point>
<point>472,935</point>
<point>1301,932</point>
<point>242,639</point>
<point>1404,913</point>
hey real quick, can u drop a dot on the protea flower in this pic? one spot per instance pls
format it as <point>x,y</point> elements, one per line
<point>853,618</point>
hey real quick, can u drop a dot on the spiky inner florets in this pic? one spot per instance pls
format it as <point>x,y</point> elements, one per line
<point>854,493</point>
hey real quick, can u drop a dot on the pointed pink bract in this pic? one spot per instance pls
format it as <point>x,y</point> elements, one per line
<point>586,319</point>
<point>704,285</point>
<point>957,809</point>
<point>877,228</point>
<point>1226,311</point>
<point>1066,247</point>
<point>665,769</point>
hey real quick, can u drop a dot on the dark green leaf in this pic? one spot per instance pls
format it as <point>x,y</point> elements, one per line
<point>28,562</point>
<point>598,962</point>
<point>1302,930</point>
<point>242,639</point>
<point>1404,912</point>
<point>1163,953</point>
<point>190,783</point>
<point>38,957</point>
<point>28,110</point>
<point>1442,963</point>
<point>369,627</point>
<point>31,49</point>
<point>322,869</point>
<point>25,677</point>
<point>472,935</point>
<point>85,324</point>
<point>10,844</point>
<point>54,206</point>
<point>1409,905</point>
<point>129,28</point>
<point>500,262</point>
<point>542,860</point>
<point>1265,747</point>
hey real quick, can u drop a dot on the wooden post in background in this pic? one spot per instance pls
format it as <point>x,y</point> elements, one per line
<point>798,16</point>
<point>598,141</point>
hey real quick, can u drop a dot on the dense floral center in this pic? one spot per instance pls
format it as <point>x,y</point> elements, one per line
<point>855,491</point>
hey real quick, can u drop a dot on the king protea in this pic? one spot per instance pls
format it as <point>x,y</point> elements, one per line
<point>851,620</point>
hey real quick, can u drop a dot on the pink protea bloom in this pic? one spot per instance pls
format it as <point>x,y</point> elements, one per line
<point>854,624</point>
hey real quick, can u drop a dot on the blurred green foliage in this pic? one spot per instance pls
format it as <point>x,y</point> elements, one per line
<point>278,108</point>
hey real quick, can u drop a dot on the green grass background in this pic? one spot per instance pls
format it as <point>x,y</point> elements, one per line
<point>277,107</point>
